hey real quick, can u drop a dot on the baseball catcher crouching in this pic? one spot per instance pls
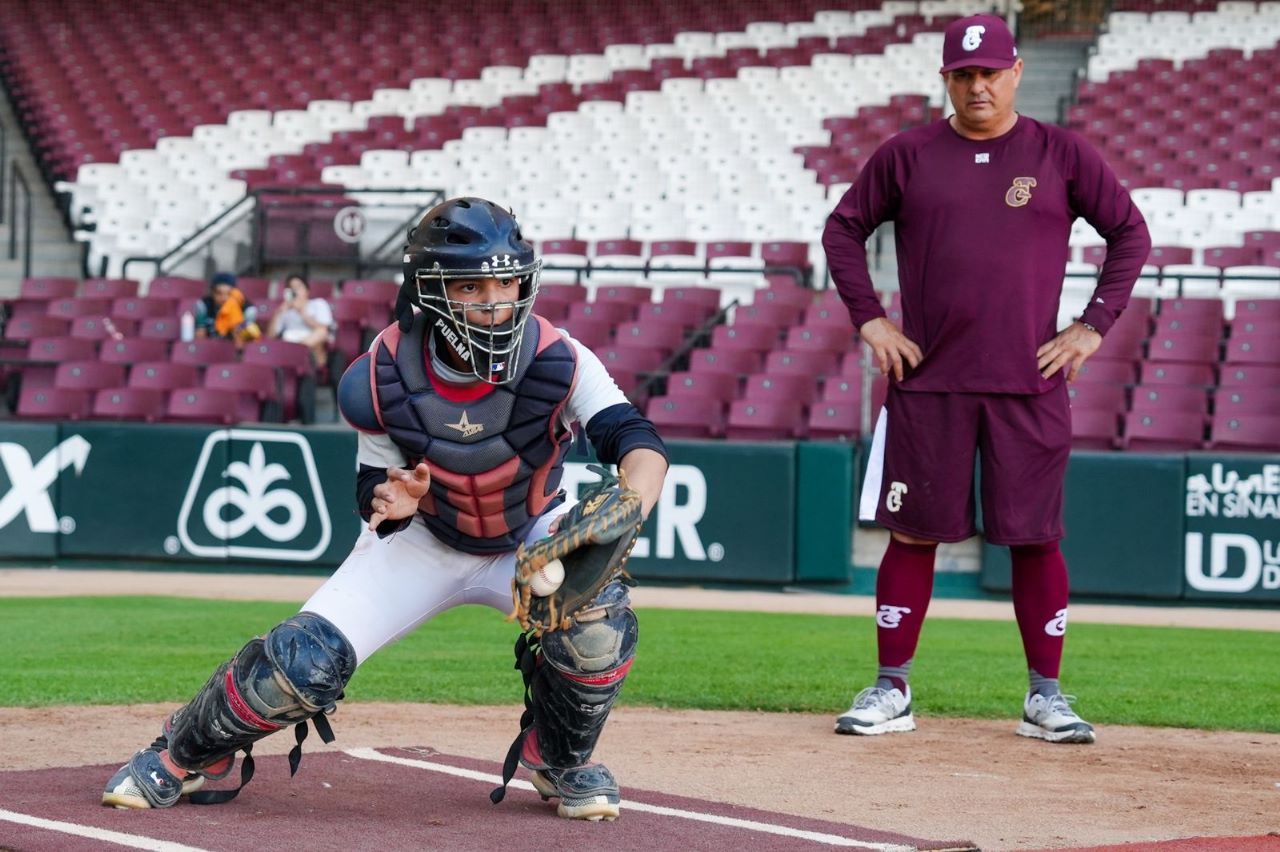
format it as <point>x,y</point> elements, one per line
<point>294,674</point>
<point>465,408</point>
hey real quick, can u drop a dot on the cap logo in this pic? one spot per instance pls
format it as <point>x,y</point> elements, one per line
<point>973,37</point>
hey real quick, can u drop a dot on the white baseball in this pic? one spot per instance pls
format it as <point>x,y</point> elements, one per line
<point>548,579</point>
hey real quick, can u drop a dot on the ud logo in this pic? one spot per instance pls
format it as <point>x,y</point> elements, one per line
<point>254,494</point>
<point>466,427</point>
<point>1020,193</point>
<point>891,616</point>
<point>973,37</point>
<point>893,500</point>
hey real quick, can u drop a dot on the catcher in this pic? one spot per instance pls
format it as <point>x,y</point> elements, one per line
<point>465,409</point>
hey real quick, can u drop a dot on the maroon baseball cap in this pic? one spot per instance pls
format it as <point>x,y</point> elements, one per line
<point>981,40</point>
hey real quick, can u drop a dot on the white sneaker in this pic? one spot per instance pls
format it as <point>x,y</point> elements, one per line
<point>1051,718</point>
<point>878,711</point>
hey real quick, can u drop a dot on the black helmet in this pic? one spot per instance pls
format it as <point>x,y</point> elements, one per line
<point>470,238</point>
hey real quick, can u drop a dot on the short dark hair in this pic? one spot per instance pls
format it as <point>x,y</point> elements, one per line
<point>222,278</point>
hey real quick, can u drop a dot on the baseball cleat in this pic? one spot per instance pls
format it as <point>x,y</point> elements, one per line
<point>1050,717</point>
<point>878,711</point>
<point>587,792</point>
<point>145,782</point>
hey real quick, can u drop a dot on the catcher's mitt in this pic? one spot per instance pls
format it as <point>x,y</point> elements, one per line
<point>593,541</point>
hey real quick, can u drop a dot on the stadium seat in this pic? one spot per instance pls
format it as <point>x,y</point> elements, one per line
<point>764,420</point>
<point>256,384</point>
<point>1097,396</point>
<point>372,290</point>
<point>1174,373</point>
<point>161,375</point>
<point>823,338</point>
<point>140,404</point>
<point>136,309</point>
<point>1163,432</point>
<point>722,387</point>
<point>295,370</point>
<point>182,290</point>
<point>160,328</point>
<point>47,289</point>
<point>31,327</point>
<point>88,375</point>
<point>735,362</point>
<point>591,332</point>
<point>1254,349</point>
<point>1155,399</point>
<point>108,288</point>
<point>835,421</point>
<point>1183,347</point>
<point>132,349</point>
<point>1234,431</point>
<point>686,416</point>
<point>662,338</point>
<point>202,405</point>
<point>1247,400</point>
<point>799,390</point>
<point>612,312</point>
<point>56,350</point>
<point>810,362</point>
<point>777,315</point>
<point>1093,428</point>
<point>74,306</point>
<point>54,403</point>
<point>753,338</point>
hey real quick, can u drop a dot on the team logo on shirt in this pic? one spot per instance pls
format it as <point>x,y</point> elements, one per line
<point>1019,194</point>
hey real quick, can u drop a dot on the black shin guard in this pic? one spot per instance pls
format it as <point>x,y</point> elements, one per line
<point>572,679</point>
<point>297,672</point>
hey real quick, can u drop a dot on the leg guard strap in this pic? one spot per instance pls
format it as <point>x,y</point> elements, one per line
<point>296,673</point>
<point>572,678</point>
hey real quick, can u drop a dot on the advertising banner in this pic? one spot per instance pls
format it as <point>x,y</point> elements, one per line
<point>1233,528</point>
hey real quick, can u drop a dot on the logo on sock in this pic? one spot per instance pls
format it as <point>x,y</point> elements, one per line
<point>891,616</point>
<point>893,500</point>
<point>1057,626</point>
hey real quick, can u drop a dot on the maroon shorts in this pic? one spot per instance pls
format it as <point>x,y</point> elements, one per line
<point>922,465</point>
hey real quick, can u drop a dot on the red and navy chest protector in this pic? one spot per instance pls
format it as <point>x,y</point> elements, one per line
<point>496,453</point>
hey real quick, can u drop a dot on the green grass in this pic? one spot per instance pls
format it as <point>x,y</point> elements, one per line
<point>126,650</point>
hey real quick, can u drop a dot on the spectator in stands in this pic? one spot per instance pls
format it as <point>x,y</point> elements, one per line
<point>982,204</point>
<point>302,318</point>
<point>225,313</point>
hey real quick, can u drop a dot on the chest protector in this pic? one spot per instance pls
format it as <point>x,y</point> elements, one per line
<point>496,459</point>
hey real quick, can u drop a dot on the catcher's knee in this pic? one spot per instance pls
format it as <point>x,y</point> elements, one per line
<point>298,670</point>
<point>602,639</point>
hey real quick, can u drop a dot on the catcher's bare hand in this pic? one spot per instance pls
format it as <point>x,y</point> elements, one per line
<point>398,497</point>
<point>1070,348</point>
<point>890,346</point>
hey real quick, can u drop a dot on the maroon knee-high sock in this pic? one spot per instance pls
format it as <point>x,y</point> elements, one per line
<point>904,586</point>
<point>1040,604</point>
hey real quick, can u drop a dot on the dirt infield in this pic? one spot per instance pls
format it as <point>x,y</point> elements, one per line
<point>950,779</point>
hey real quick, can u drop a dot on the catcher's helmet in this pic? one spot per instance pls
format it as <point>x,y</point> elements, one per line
<point>467,239</point>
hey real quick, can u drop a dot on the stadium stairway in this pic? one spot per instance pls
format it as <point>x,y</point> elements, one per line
<point>54,252</point>
<point>1052,64</point>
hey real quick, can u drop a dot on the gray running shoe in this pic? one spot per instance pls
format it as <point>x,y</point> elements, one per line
<point>1051,718</point>
<point>878,711</point>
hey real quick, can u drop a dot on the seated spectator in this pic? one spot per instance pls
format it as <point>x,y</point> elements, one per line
<point>224,312</point>
<point>303,319</point>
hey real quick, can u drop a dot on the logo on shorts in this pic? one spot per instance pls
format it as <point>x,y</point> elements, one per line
<point>890,616</point>
<point>254,494</point>
<point>893,500</point>
<point>1019,195</point>
<point>1057,626</point>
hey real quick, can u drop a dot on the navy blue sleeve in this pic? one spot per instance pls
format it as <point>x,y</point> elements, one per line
<point>619,429</point>
<point>367,478</point>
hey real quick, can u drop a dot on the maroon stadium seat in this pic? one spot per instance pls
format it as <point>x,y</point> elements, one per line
<point>1247,400</point>
<point>1249,432</point>
<point>1254,349</point>
<point>1093,429</point>
<point>593,332</point>
<point>687,315</point>
<point>203,405</point>
<point>160,328</point>
<point>256,384</point>
<point>162,375</point>
<point>1157,399</point>
<point>135,309</point>
<point>108,288</point>
<point>777,314</point>
<point>1097,396</point>
<point>75,306</point>
<point>686,416</point>
<point>203,351</point>
<point>54,403</point>
<point>375,290</point>
<point>1173,373</point>
<point>615,313</point>
<point>47,289</point>
<point>131,350</point>
<point>102,328</point>
<point>663,338</point>
<point>722,387</point>
<point>811,362</point>
<point>736,362</point>
<point>31,327</point>
<point>799,390</point>
<point>1165,431</point>
<point>824,338</point>
<point>1184,347</point>
<point>88,375</point>
<point>764,420</point>
<point>835,421</point>
<point>59,349</point>
<point>143,404</point>
<point>177,287</point>
<point>754,338</point>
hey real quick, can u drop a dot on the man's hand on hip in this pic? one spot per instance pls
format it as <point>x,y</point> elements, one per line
<point>890,346</point>
<point>1070,348</point>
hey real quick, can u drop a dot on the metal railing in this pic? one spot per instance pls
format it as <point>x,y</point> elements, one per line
<point>18,179</point>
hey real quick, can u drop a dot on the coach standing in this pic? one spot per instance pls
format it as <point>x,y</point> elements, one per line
<point>982,205</point>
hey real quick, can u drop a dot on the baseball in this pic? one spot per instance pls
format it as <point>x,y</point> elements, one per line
<point>548,579</point>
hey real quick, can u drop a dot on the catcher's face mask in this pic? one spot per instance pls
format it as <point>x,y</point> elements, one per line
<point>481,319</point>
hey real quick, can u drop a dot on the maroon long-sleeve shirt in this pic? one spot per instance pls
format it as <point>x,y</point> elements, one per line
<point>981,229</point>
